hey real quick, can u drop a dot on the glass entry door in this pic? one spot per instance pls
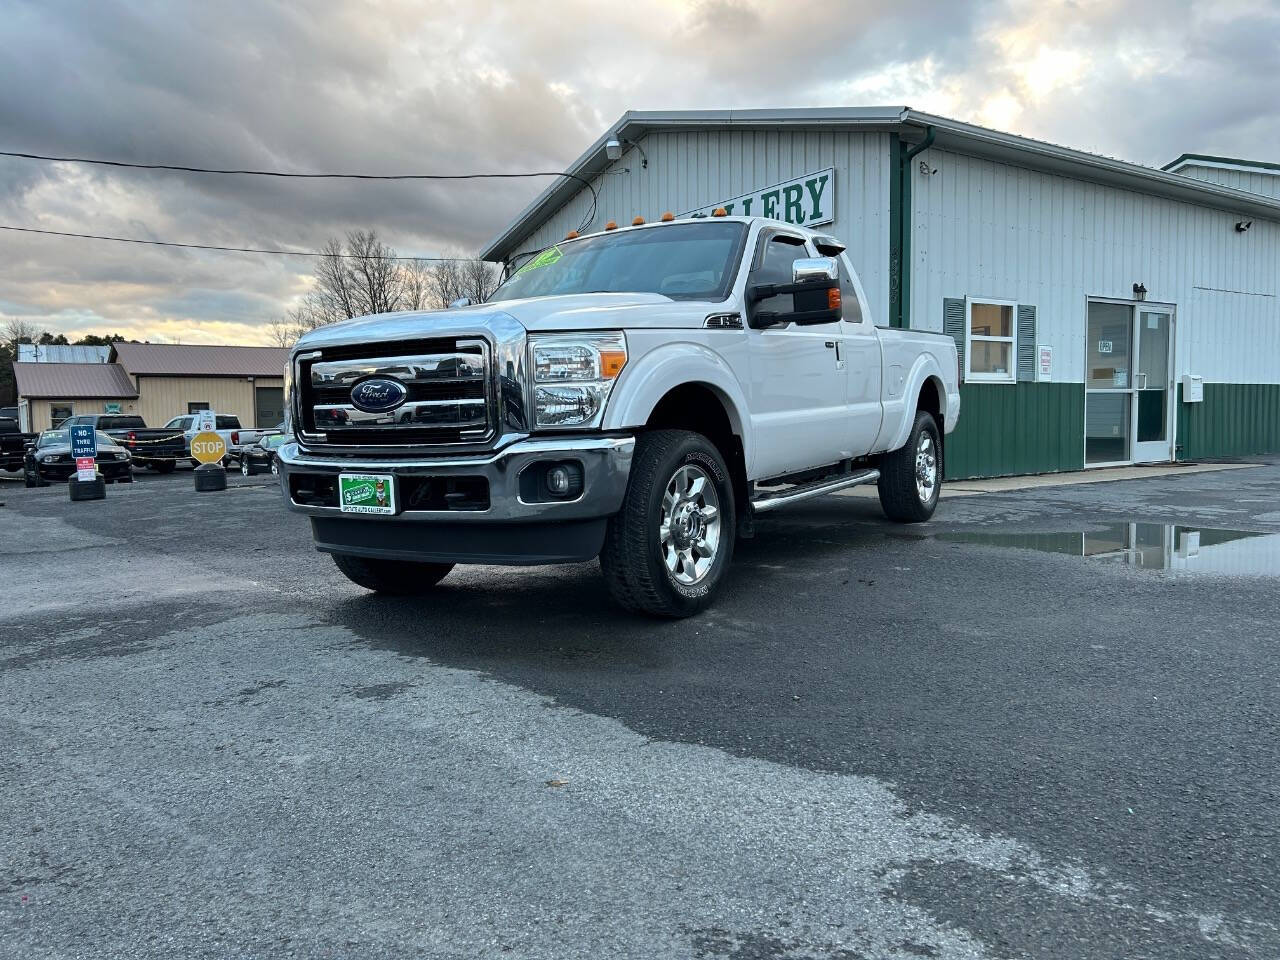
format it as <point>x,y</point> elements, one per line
<point>1128,414</point>
<point>1153,386</point>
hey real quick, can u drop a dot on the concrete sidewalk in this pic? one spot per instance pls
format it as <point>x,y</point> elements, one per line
<point>971,488</point>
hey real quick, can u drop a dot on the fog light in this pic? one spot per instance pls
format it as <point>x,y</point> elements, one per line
<point>558,480</point>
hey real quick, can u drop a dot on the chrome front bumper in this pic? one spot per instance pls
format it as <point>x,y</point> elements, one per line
<point>606,465</point>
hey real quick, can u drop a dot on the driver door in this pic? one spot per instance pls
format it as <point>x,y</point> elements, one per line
<point>797,386</point>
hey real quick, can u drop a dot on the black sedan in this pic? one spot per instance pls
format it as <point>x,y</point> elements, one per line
<point>49,458</point>
<point>261,457</point>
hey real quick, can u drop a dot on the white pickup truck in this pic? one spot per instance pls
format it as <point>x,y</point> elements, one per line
<point>639,395</point>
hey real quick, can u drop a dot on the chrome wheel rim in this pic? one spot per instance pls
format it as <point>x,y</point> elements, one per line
<point>926,467</point>
<point>275,469</point>
<point>244,468</point>
<point>689,531</point>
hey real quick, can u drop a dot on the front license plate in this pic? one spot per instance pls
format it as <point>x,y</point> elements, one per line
<point>367,493</point>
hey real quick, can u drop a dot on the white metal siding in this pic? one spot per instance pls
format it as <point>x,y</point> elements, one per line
<point>689,169</point>
<point>990,229</point>
<point>1266,184</point>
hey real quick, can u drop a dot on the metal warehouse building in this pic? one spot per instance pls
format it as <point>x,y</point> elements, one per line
<point>1105,312</point>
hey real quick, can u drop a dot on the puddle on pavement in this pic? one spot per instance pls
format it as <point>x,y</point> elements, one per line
<point>1152,546</point>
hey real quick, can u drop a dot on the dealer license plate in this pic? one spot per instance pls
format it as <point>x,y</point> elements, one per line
<point>367,493</point>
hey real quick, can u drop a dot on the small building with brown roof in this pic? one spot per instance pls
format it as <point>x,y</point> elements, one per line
<point>48,393</point>
<point>157,381</point>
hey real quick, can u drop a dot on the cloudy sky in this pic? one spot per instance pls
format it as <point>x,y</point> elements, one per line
<point>396,87</point>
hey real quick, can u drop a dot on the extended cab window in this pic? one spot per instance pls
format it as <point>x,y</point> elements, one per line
<point>228,423</point>
<point>774,258</point>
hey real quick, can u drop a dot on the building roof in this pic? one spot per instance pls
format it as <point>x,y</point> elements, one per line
<point>61,353</point>
<point>194,360</point>
<point>71,381</point>
<point>1207,160</point>
<point>912,125</point>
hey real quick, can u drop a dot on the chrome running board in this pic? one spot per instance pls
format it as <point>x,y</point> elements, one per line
<point>783,498</point>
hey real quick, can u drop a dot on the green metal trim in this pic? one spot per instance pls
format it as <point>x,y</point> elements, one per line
<point>1007,429</point>
<point>895,231</point>
<point>1233,420</point>
<point>1208,158</point>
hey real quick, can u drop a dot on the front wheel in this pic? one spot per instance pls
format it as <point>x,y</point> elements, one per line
<point>245,469</point>
<point>911,476</point>
<point>398,577</point>
<point>667,550</point>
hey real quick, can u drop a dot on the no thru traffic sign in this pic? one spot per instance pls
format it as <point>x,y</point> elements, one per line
<point>208,447</point>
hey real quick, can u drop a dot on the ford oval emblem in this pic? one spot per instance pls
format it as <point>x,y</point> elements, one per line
<point>378,395</point>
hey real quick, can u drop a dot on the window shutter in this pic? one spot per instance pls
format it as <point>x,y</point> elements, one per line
<point>1026,342</point>
<point>953,325</point>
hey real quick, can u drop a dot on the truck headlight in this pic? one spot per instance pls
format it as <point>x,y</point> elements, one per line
<point>573,375</point>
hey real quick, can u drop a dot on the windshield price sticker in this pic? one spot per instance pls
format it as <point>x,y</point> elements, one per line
<point>544,259</point>
<point>366,493</point>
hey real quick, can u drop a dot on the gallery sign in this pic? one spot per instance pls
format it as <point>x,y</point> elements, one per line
<point>808,200</point>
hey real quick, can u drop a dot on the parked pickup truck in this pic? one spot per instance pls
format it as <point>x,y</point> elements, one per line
<point>227,427</point>
<point>641,395</point>
<point>13,444</point>
<point>159,449</point>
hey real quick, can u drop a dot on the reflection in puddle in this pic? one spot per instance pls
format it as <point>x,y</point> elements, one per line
<point>1154,546</point>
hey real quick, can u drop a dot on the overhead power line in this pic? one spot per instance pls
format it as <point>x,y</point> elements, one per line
<point>209,246</point>
<point>590,216</point>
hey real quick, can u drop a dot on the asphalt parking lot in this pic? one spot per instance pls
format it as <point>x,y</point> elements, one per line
<point>956,740</point>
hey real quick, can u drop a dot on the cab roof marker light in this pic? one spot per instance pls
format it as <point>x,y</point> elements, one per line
<point>571,235</point>
<point>668,217</point>
<point>719,212</point>
<point>638,222</point>
<point>611,225</point>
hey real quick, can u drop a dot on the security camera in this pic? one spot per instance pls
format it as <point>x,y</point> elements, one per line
<point>1243,225</point>
<point>613,149</point>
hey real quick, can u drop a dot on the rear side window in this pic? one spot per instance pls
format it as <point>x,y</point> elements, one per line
<point>849,293</point>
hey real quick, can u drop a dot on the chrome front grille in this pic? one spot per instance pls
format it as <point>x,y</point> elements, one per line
<point>447,394</point>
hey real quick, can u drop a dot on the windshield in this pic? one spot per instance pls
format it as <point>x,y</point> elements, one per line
<point>684,261</point>
<point>120,423</point>
<point>55,438</point>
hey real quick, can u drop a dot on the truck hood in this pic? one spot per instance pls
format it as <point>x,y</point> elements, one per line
<point>588,311</point>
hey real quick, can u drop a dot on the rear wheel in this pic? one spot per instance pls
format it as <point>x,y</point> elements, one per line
<point>399,577</point>
<point>667,551</point>
<point>245,469</point>
<point>163,466</point>
<point>911,477</point>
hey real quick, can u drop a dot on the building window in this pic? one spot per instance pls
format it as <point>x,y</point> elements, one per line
<point>992,348</point>
<point>59,413</point>
<point>194,405</point>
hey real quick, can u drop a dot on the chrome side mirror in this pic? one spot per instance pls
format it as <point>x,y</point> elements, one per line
<point>460,302</point>
<point>815,268</point>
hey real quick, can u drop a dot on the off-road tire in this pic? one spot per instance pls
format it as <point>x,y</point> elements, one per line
<point>900,497</point>
<point>396,577</point>
<point>631,558</point>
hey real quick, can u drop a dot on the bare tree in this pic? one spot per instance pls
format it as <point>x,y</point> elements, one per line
<point>479,280</point>
<point>415,285</point>
<point>19,330</point>
<point>364,276</point>
<point>447,283</point>
<point>285,331</point>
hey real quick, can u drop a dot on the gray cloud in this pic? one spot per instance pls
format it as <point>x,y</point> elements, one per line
<point>447,86</point>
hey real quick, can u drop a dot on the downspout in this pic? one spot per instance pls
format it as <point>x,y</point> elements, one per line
<point>901,296</point>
